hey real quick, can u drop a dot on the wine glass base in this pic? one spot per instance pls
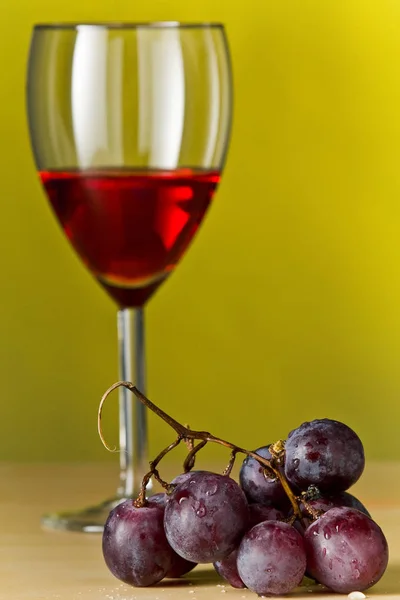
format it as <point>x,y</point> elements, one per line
<point>87,520</point>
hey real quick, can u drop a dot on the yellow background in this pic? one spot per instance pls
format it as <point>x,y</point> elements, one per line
<point>287,306</point>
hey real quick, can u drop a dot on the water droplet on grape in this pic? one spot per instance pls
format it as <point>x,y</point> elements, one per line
<point>327,535</point>
<point>296,463</point>
<point>324,552</point>
<point>181,500</point>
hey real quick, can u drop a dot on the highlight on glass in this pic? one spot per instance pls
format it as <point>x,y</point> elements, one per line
<point>129,126</point>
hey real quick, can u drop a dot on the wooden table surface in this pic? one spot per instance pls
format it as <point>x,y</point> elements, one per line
<point>44,565</point>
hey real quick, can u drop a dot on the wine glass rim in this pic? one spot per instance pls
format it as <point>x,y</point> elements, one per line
<point>131,25</point>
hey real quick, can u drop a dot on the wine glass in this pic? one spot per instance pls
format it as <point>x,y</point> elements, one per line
<point>129,125</point>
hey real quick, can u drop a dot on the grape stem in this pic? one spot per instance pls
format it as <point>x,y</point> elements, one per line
<point>202,437</point>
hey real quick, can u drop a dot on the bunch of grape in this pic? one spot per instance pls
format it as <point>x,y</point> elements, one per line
<point>257,534</point>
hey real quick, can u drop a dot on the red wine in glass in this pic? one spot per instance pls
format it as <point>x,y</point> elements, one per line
<point>130,227</point>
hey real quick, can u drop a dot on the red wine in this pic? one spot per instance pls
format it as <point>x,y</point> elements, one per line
<point>130,227</point>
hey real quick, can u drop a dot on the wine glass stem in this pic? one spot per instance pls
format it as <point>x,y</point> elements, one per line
<point>132,413</point>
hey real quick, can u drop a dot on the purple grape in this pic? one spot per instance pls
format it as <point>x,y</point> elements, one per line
<point>180,565</point>
<point>259,513</point>
<point>271,558</point>
<point>257,486</point>
<point>325,503</point>
<point>346,550</point>
<point>227,567</point>
<point>324,453</point>
<point>135,547</point>
<point>205,517</point>
<point>346,499</point>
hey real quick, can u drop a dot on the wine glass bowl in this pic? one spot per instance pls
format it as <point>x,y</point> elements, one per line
<point>129,126</point>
